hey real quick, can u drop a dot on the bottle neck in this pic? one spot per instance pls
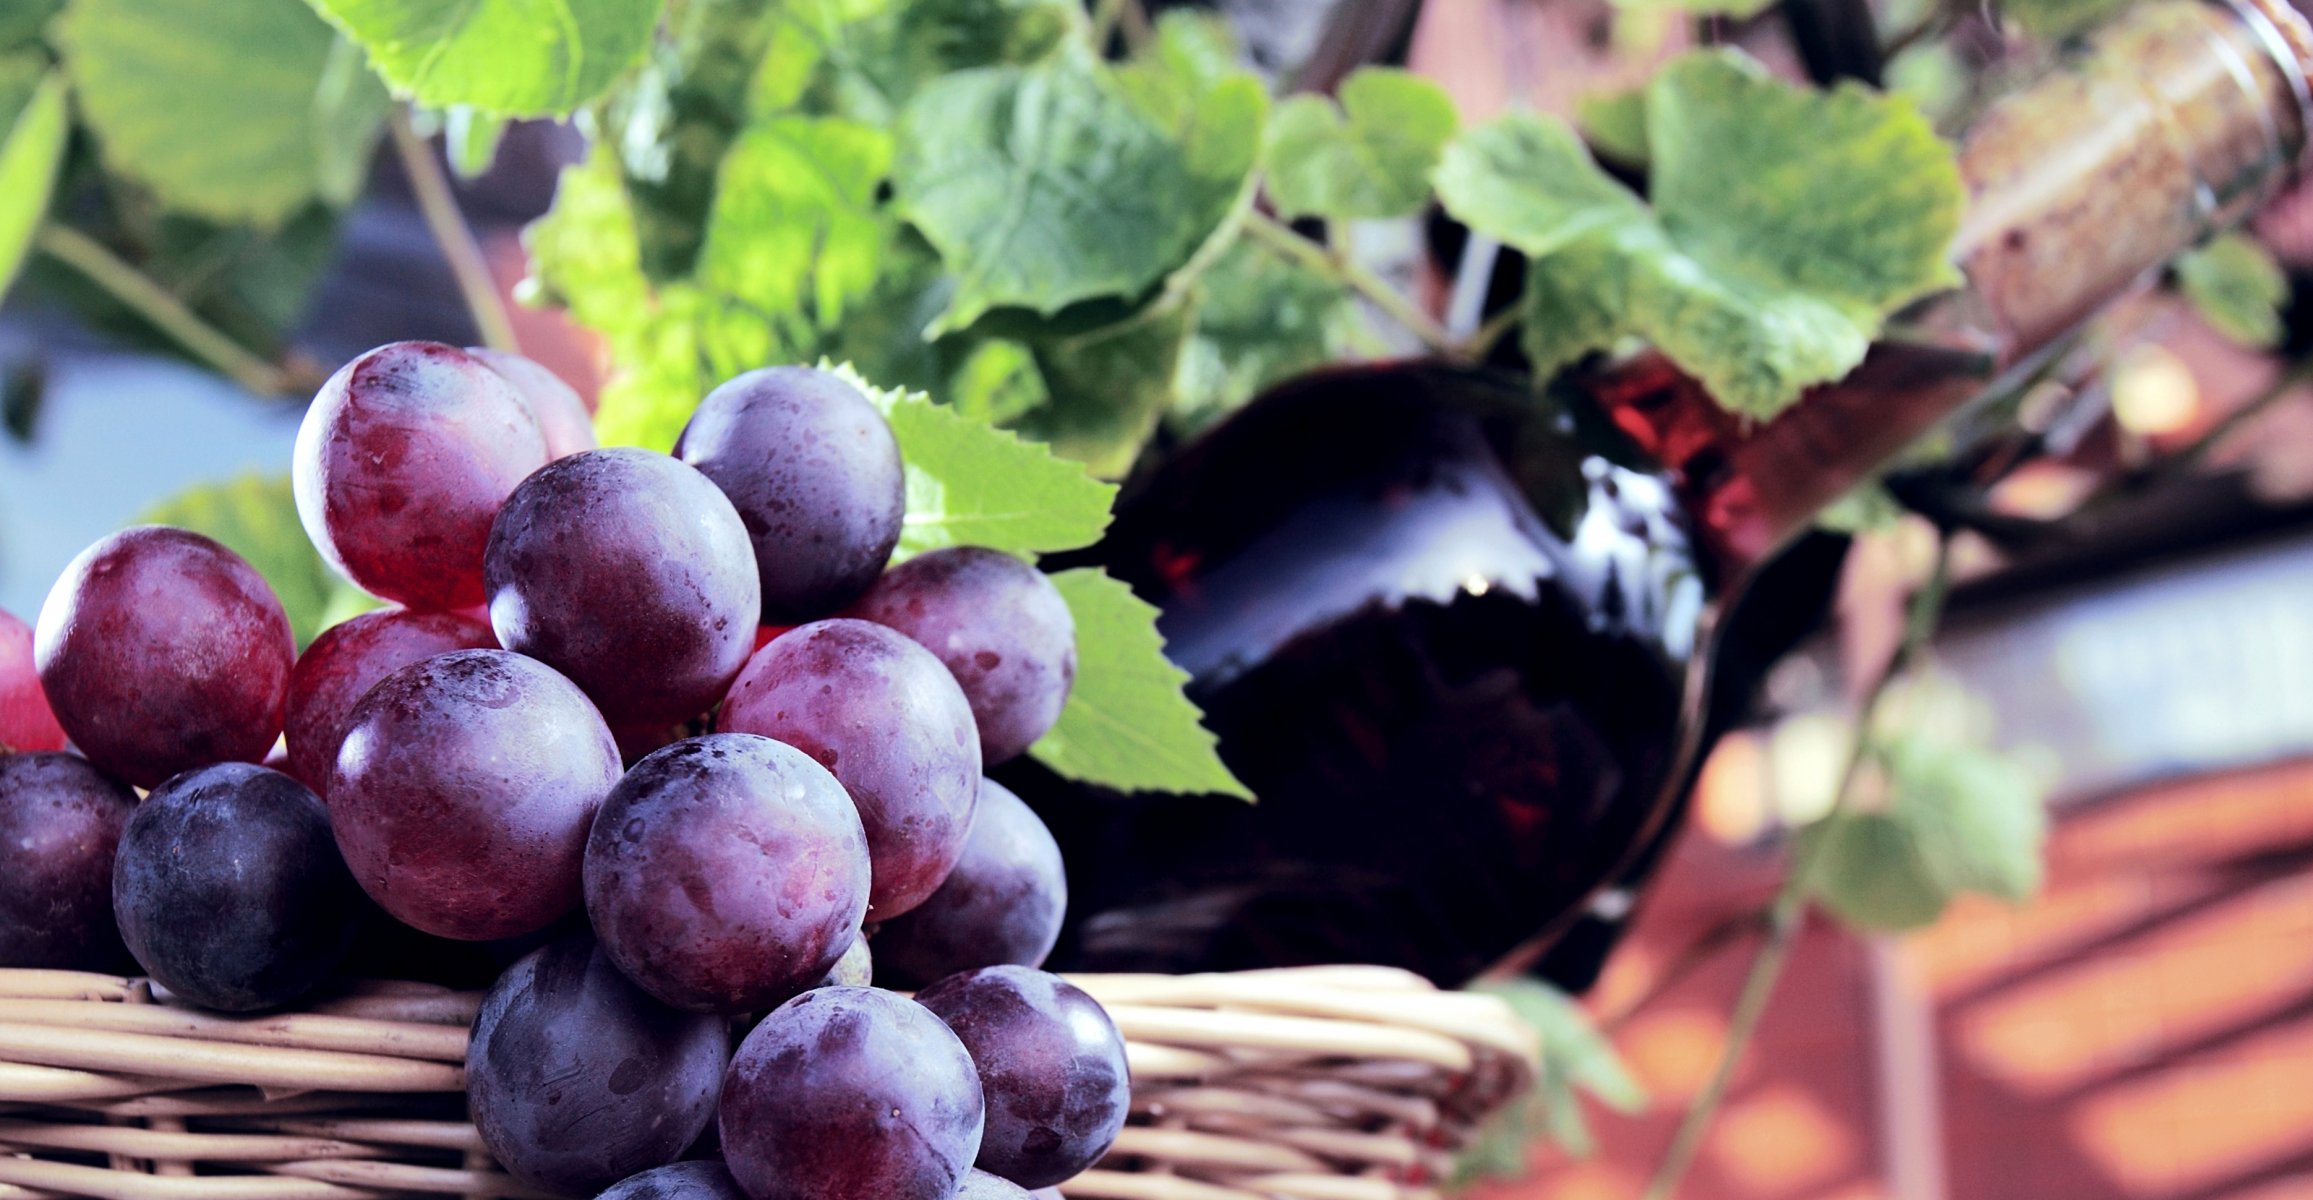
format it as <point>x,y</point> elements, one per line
<point>2177,119</point>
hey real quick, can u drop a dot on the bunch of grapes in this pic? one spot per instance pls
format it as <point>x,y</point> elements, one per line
<point>665,726</point>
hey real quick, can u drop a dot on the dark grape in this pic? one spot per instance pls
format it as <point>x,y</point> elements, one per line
<point>403,459</point>
<point>562,416</point>
<point>815,473</point>
<point>1051,1066</point>
<point>980,1185</point>
<point>726,873</point>
<point>60,821</point>
<point>160,650</point>
<point>704,1180</point>
<point>346,661</point>
<point>1002,904</point>
<point>578,1080</point>
<point>463,790</point>
<point>1002,628</point>
<point>882,714</point>
<point>26,722</point>
<point>855,969</point>
<point>229,889</point>
<point>628,572</point>
<point>846,1093</point>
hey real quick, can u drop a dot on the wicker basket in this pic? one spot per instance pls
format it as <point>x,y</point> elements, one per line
<point>1322,1083</point>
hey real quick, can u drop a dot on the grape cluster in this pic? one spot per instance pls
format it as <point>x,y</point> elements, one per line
<point>662,731</point>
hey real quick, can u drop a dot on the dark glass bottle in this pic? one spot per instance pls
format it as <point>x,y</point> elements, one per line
<point>1458,637</point>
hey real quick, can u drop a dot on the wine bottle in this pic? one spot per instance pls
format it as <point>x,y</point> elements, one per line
<point>1458,638</point>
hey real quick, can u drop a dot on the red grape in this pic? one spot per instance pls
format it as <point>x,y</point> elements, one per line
<point>847,1093</point>
<point>60,821</point>
<point>402,461</point>
<point>160,650</point>
<point>1001,627</point>
<point>726,873</point>
<point>578,1080</point>
<point>1002,904</point>
<point>341,666</point>
<point>1051,1067</point>
<point>815,473</point>
<point>463,791</point>
<point>628,572</point>
<point>703,1180</point>
<point>882,714</point>
<point>25,720</point>
<point>230,892</point>
<point>562,416</point>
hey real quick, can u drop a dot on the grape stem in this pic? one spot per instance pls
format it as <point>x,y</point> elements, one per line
<point>439,206</point>
<point>161,307</point>
<point>1788,914</point>
<point>1280,237</point>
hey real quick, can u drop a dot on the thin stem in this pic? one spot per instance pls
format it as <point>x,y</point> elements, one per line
<point>448,225</point>
<point>161,307</point>
<point>1280,237</point>
<point>1788,913</point>
<point>1691,958</point>
<point>1481,343</point>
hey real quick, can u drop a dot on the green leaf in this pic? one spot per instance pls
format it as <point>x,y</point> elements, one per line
<point>1576,1060</point>
<point>21,21</point>
<point>515,58</point>
<point>1127,725</point>
<point>2054,20</point>
<point>1741,273</point>
<point>1868,869</point>
<point>1959,818</point>
<point>256,517</point>
<point>585,253</point>
<point>795,230</point>
<point>1262,320</point>
<point>1109,387</point>
<point>1614,123</point>
<point>228,109</point>
<point>998,382</point>
<point>1369,157</point>
<point>472,140</point>
<point>883,58</point>
<point>1868,508</point>
<point>2237,288</point>
<point>29,159</point>
<point>1042,186</point>
<point>1932,75</point>
<point>1738,9</point>
<point>972,484</point>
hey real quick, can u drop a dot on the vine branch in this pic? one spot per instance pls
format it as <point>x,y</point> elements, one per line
<point>1788,913</point>
<point>156,304</point>
<point>1280,237</point>
<point>439,206</point>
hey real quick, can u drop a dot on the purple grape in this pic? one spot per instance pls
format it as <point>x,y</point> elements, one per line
<point>160,650</point>
<point>1002,904</point>
<point>726,873</point>
<point>845,1093</point>
<point>1051,1066</point>
<point>403,459</point>
<point>882,714</point>
<point>346,661</point>
<point>60,821</point>
<point>26,721</point>
<point>1001,627</point>
<point>855,969</point>
<point>980,1185</point>
<point>703,1180</point>
<point>463,791</point>
<point>815,473</point>
<point>229,889</point>
<point>628,572</point>
<point>562,417</point>
<point>577,1079</point>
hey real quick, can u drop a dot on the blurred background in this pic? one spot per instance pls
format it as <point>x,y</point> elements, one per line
<point>2131,620</point>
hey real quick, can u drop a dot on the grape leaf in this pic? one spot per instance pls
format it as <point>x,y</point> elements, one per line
<point>972,484</point>
<point>1959,819</point>
<point>1576,1060</point>
<point>516,58</point>
<point>1189,84</point>
<point>1041,186</point>
<point>1740,272</point>
<point>1261,320</point>
<point>1109,387</point>
<point>997,382</point>
<point>2237,288</point>
<point>21,21</point>
<point>1127,725</point>
<point>586,253</point>
<point>256,517</point>
<point>1737,9</point>
<point>1868,870</point>
<point>1370,156</point>
<point>2055,20</point>
<point>1614,123</point>
<point>795,230</point>
<point>180,103</point>
<point>29,159</point>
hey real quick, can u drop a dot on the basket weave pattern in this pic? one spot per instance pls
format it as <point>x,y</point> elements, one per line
<point>1321,1083</point>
